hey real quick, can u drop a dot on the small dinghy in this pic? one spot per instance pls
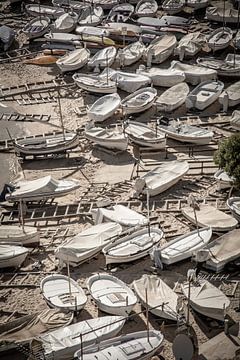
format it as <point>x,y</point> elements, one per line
<point>119,214</point>
<point>160,49</point>
<point>165,21</point>
<point>95,83</point>
<point>146,8</point>
<point>61,344</point>
<point>139,101</point>
<point>194,74</point>
<point>143,135</point>
<point>224,181</point>
<point>158,293</point>
<point>87,244</point>
<point>120,13</point>
<point>92,15</point>
<point>233,204</point>
<point>138,345</point>
<point>41,189</point>
<point>161,178</point>
<point>26,236</point>
<point>184,246</point>
<point>36,27</point>
<point>230,96</point>
<point>103,58</point>
<point>42,10</point>
<point>63,39</point>
<point>173,97</point>
<point>220,38</point>
<point>65,23</point>
<point>189,45</point>
<point>210,216</point>
<point>162,77</point>
<point>235,120</point>
<point>112,138</point>
<point>74,60</point>
<point>63,292</point>
<point>187,133</point>
<point>173,6</point>
<point>206,299</point>
<point>131,53</point>
<point>104,107</point>
<point>111,295</point>
<point>46,144</point>
<point>198,4</point>
<point>132,247</point>
<point>204,94</point>
<point>12,255</point>
<point>217,14</point>
<point>126,81</point>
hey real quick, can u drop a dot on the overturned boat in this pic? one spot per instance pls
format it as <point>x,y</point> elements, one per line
<point>173,97</point>
<point>104,107</point>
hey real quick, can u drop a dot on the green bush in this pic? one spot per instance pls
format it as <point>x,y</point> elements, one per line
<point>227,157</point>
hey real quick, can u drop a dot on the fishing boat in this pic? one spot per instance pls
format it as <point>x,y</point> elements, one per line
<point>161,178</point>
<point>111,295</point>
<point>220,38</point>
<point>146,8</point>
<point>189,45</point>
<point>126,81</point>
<point>61,344</point>
<point>87,243</point>
<point>169,22</point>
<point>194,74</point>
<point>235,120</point>
<point>139,101</point>
<point>70,4</point>
<point>197,4</point>
<point>187,133</point>
<point>36,27</point>
<point>160,49</point>
<point>63,39</point>
<point>143,135</point>
<point>204,94</point>
<point>173,97</point>
<point>173,6</point>
<point>63,292</point>
<point>18,235</point>
<point>90,31</point>
<point>41,189</point>
<point>184,246</point>
<point>138,345</point>
<point>104,107</point>
<point>208,215</point>
<point>103,58</point>
<point>130,54</point>
<point>46,144</point>
<point>224,181</point>
<point>95,83</point>
<point>44,10</point>
<point>217,14</point>
<point>233,204</point>
<point>206,299</point>
<point>222,67</point>
<point>74,60</point>
<point>110,138</point>
<point>120,13</point>
<point>129,29</point>
<point>12,255</point>
<point>230,96</point>
<point>105,4</point>
<point>153,292</point>
<point>65,23</point>
<point>91,15</point>
<point>132,247</point>
<point>162,77</point>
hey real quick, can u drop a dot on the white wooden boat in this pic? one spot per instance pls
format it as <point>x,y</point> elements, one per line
<point>104,107</point>
<point>146,8</point>
<point>235,120</point>
<point>233,204</point>
<point>12,255</point>
<point>173,6</point>
<point>15,234</point>
<point>206,299</point>
<point>70,4</point>
<point>143,135</point>
<point>87,243</point>
<point>91,31</point>
<point>111,295</point>
<point>132,247</point>
<point>189,45</point>
<point>44,10</point>
<point>105,4</point>
<point>119,214</point>
<point>138,345</point>
<point>208,215</point>
<point>187,133</point>
<point>224,181</point>
<point>91,15</point>
<point>110,138</point>
<point>120,13</point>
<point>197,4</point>
<point>63,38</point>
<point>161,178</point>
<point>126,81</point>
<point>36,27</point>
<point>204,94</point>
<point>217,14</point>
<point>95,83</point>
<point>160,49</point>
<point>74,60</point>
<point>164,22</point>
<point>184,246</point>
<point>173,97</point>
<point>63,292</point>
<point>162,77</point>
<point>61,344</point>
<point>139,101</point>
<point>42,188</point>
<point>194,74</point>
<point>158,293</point>
<point>220,38</point>
<point>65,23</point>
<point>230,96</point>
<point>131,53</point>
<point>46,144</point>
<point>103,58</point>
<point>116,28</point>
